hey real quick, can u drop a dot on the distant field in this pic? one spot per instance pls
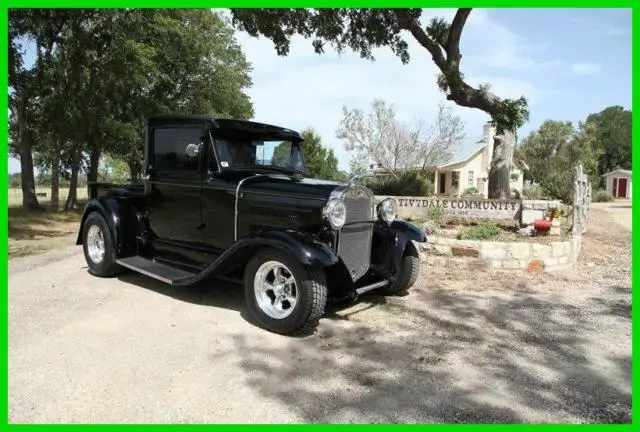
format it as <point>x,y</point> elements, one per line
<point>37,232</point>
<point>44,195</point>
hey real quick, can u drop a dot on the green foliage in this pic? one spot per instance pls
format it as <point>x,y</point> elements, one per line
<point>602,196</point>
<point>482,231</point>
<point>408,183</point>
<point>321,162</point>
<point>470,191</point>
<point>14,181</point>
<point>612,128</point>
<point>112,68</point>
<point>552,153</point>
<point>512,113</point>
<point>436,214</point>
<point>533,193</point>
<point>281,154</point>
<point>113,170</point>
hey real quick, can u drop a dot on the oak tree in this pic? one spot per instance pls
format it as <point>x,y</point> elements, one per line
<point>363,30</point>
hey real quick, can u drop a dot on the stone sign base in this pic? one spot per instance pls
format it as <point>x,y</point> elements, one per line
<point>491,255</point>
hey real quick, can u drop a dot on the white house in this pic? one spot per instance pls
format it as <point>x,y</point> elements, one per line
<point>452,179</point>
<point>619,183</point>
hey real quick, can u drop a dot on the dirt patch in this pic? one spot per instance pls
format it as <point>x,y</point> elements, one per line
<point>37,232</point>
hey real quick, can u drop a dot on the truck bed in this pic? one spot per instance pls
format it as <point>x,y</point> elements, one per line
<point>133,190</point>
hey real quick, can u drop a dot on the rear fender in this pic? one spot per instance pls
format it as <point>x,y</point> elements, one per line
<point>121,218</point>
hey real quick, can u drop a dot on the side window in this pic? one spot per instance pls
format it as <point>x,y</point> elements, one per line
<point>169,148</point>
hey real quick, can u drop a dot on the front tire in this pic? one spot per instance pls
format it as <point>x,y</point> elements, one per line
<point>283,296</point>
<point>97,245</point>
<point>409,271</point>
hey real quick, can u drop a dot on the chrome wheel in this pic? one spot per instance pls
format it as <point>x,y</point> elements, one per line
<point>95,244</point>
<point>275,289</point>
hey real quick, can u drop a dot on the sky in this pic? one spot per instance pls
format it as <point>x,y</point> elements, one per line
<point>567,62</point>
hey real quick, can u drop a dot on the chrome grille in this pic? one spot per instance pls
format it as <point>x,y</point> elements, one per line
<point>354,247</point>
<point>354,239</point>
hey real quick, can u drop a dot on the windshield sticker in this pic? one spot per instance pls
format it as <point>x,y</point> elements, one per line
<point>225,164</point>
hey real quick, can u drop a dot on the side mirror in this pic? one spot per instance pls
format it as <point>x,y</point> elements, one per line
<point>193,149</point>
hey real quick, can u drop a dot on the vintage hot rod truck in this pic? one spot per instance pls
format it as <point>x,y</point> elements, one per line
<point>230,198</point>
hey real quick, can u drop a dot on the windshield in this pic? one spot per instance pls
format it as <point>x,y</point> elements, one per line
<point>244,153</point>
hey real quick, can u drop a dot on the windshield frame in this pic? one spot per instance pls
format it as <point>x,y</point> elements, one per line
<point>295,165</point>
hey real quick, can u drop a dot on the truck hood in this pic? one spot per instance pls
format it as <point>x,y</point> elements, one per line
<point>289,186</point>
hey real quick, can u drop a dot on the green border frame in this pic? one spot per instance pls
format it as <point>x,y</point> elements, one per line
<point>4,421</point>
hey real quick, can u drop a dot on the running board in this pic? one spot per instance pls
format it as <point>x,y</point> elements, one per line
<point>371,287</point>
<point>161,272</point>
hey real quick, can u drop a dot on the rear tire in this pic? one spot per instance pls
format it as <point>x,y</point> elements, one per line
<point>97,244</point>
<point>282,295</point>
<point>409,271</point>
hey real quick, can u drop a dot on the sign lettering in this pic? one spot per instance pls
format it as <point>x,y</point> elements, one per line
<point>471,208</point>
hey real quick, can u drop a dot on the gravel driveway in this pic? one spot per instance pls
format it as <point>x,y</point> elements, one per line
<point>461,347</point>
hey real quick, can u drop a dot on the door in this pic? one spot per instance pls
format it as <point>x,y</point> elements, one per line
<point>218,208</point>
<point>175,203</point>
<point>622,188</point>
<point>441,183</point>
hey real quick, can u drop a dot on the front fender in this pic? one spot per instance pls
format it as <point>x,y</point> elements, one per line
<point>390,242</point>
<point>304,248</point>
<point>121,219</point>
<point>408,230</point>
<point>309,251</point>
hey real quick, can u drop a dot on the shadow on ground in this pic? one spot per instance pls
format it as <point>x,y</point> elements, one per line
<point>477,359</point>
<point>504,352</point>
<point>25,225</point>
<point>500,349</point>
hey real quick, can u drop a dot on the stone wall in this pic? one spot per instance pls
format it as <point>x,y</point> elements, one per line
<point>491,255</point>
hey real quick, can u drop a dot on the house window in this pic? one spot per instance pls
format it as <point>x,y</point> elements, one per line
<point>455,179</point>
<point>470,180</point>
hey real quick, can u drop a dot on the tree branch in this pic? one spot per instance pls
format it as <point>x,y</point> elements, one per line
<point>455,31</point>
<point>407,23</point>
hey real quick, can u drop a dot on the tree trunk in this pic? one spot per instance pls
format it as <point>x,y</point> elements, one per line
<point>72,199</point>
<point>94,163</point>
<point>135,170</point>
<point>55,180</point>
<point>29,197</point>
<point>500,171</point>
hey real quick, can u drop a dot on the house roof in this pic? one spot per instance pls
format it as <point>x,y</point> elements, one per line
<point>467,159</point>
<point>618,171</point>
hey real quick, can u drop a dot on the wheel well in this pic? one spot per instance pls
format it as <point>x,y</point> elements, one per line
<point>411,249</point>
<point>86,215</point>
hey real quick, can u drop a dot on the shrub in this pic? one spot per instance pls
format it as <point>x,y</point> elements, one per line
<point>470,191</point>
<point>482,231</point>
<point>602,196</point>
<point>533,193</point>
<point>436,214</point>
<point>411,183</point>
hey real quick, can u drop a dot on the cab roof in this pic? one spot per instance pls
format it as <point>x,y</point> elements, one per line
<point>228,125</point>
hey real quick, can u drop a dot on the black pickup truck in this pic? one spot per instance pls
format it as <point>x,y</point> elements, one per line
<point>224,198</point>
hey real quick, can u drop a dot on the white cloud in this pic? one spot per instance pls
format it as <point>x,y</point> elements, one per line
<point>586,68</point>
<point>502,48</point>
<point>603,28</point>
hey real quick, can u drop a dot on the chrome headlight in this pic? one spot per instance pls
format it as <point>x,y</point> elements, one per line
<point>335,213</point>
<point>387,210</point>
